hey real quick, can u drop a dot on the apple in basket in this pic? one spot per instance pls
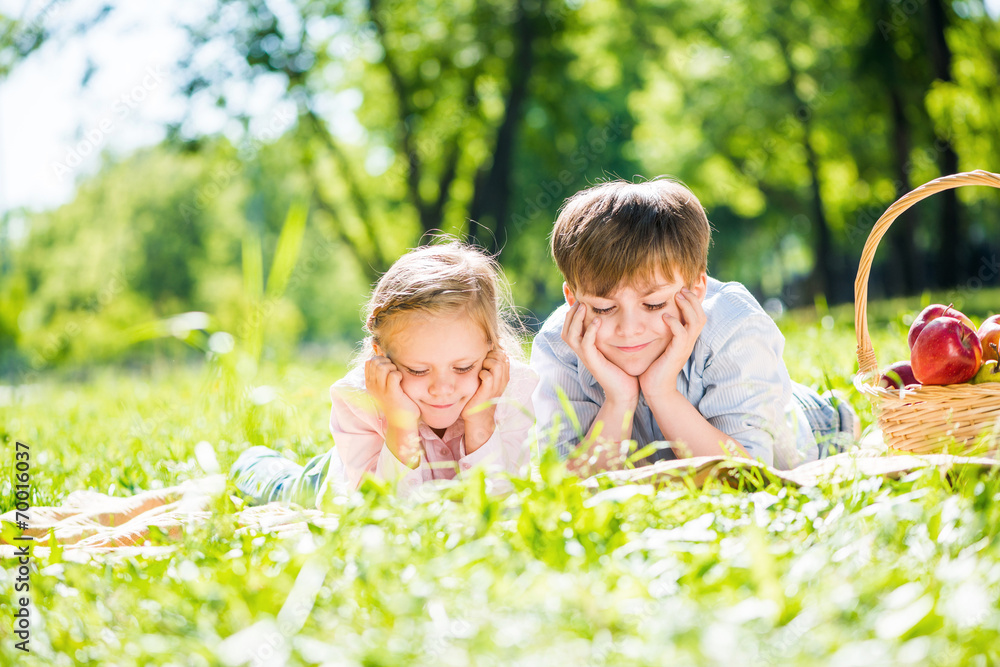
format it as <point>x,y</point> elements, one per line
<point>989,336</point>
<point>990,372</point>
<point>947,351</point>
<point>899,374</point>
<point>931,313</point>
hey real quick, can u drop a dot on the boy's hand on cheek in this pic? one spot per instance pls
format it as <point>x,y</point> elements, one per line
<point>661,376</point>
<point>582,339</point>
<point>479,418</point>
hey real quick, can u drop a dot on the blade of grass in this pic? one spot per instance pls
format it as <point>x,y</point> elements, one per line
<point>286,256</point>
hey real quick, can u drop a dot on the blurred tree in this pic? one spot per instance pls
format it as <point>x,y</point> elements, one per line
<point>465,110</point>
<point>909,59</point>
<point>801,120</point>
<point>951,224</point>
<point>491,197</point>
<point>796,124</point>
<point>23,35</point>
<point>890,67</point>
<point>439,97</point>
<point>123,253</point>
<point>741,111</point>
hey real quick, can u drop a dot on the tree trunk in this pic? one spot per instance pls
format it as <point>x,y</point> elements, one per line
<point>904,257</point>
<point>490,207</point>
<point>407,115</point>
<point>951,233</point>
<point>823,278</point>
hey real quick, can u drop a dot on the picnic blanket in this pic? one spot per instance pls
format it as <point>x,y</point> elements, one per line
<point>89,522</point>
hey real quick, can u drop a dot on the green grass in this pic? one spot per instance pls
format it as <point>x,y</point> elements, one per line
<point>865,571</point>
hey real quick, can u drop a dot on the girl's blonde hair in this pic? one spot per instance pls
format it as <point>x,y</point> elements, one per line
<point>443,279</point>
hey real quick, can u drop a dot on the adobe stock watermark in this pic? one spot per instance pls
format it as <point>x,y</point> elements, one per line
<point>266,642</point>
<point>59,341</point>
<point>224,174</point>
<point>923,160</point>
<point>321,249</point>
<point>425,145</point>
<point>359,38</point>
<point>143,427</point>
<point>32,31</point>
<point>756,160</point>
<point>22,566</point>
<point>901,13</point>
<point>94,138</point>
<point>989,269</point>
<point>552,192</point>
<point>775,649</point>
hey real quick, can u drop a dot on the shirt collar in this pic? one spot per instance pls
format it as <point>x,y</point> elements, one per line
<point>456,430</point>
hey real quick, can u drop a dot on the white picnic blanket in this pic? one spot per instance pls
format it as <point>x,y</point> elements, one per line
<point>88,522</point>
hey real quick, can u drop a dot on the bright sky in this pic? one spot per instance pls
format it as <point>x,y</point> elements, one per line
<point>53,130</point>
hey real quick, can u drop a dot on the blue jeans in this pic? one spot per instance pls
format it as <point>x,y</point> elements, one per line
<point>831,418</point>
<point>266,476</point>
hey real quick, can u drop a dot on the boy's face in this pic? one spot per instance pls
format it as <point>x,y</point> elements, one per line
<point>633,334</point>
<point>440,357</point>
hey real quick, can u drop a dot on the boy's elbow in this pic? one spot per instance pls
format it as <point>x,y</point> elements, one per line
<point>759,451</point>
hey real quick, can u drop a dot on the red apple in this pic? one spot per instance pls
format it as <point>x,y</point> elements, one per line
<point>931,313</point>
<point>899,374</point>
<point>946,352</point>
<point>989,336</point>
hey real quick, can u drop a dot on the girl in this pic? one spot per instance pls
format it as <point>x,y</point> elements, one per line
<point>438,387</point>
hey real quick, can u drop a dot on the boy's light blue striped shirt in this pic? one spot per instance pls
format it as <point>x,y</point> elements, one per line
<point>735,377</point>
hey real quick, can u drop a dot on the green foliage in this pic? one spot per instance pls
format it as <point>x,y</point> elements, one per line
<point>862,571</point>
<point>774,115</point>
<point>154,252</point>
<point>797,124</point>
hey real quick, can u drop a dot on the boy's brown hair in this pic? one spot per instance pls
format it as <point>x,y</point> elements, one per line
<point>621,232</point>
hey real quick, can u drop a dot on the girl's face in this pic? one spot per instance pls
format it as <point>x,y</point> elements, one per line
<point>440,357</point>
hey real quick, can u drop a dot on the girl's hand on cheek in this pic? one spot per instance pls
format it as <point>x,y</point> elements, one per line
<point>384,382</point>
<point>479,413</point>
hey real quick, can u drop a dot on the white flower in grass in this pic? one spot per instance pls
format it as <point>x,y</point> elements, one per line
<point>204,454</point>
<point>221,342</point>
<point>181,325</point>
<point>263,395</point>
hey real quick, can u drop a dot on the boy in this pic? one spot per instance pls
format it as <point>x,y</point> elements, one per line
<point>649,348</point>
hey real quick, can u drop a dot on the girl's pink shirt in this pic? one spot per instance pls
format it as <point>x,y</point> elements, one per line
<point>359,428</point>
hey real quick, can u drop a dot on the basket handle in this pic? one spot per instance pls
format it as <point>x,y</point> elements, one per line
<point>867,363</point>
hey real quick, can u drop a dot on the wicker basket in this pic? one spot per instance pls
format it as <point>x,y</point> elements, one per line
<point>927,419</point>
